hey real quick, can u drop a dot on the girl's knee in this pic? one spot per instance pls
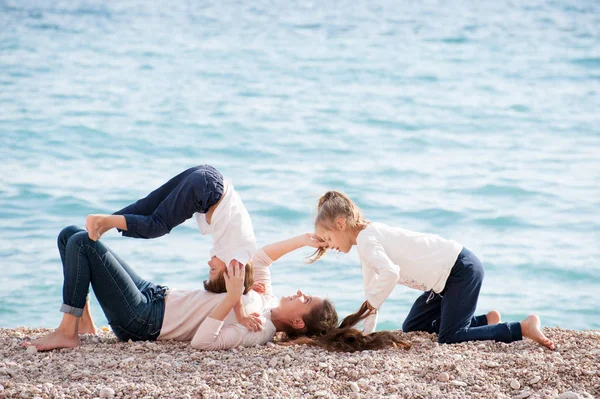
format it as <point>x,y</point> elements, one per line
<point>407,327</point>
<point>66,233</point>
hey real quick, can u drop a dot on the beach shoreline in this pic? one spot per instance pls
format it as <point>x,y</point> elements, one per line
<point>104,367</point>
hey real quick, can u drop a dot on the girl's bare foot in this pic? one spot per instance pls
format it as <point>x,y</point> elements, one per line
<point>493,317</point>
<point>95,227</point>
<point>530,327</point>
<point>54,340</point>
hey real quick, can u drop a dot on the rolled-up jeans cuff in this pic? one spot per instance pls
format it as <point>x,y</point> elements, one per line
<point>77,312</point>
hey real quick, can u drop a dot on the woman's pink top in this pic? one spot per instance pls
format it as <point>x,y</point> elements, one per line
<point>187,314</point>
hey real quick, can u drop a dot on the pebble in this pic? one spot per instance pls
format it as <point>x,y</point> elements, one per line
<point>354,387</point>
<point>535,380</point>
<point>458,383</point>
<point>523,395</point>
<point>444,377</point>
<point>107,393</point>
<point>514,384</point>
<point>273,362</point>
<point>321,394</point>
<point>31,349</point>
<point>569,395</point>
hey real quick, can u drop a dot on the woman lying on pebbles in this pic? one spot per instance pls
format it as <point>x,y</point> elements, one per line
<point>140,310</point>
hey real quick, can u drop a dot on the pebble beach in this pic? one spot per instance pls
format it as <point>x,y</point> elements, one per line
<point>103,367</point>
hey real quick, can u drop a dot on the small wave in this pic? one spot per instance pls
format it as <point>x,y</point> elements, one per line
<point>502,191</point>
<point>505,222</point>
<point>590,62</point>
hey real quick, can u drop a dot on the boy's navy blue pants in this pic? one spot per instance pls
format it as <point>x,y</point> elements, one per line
<point>451,313</point>
<point>193,190</point>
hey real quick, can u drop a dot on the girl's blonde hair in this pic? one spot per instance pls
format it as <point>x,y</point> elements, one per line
<point>333,205</point>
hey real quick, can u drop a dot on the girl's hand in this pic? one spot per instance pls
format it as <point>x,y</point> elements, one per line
<point>234,279</point>
<point>252,322</point>
<point>312,240</point>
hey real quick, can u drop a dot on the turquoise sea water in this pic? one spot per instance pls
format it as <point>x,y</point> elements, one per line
<point>478,122</point>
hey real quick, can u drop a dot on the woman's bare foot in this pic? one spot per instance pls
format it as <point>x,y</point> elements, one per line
<point>54,340</point>
<point>87,328</point>
<point>86,322</point>
<point>493,317</point>
<point>95,227</point>
<point>530,327</point>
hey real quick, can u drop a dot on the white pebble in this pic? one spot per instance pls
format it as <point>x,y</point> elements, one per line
<point>321,394</point>
<point>458,383</point>
<point>107,393</point>
<point>444,377</point>
<point>31,349</point>
<point>569,395</point>
<point>514,384</point>
<point>354,387</point>
<point>535,379</point>
<point>273,362</point>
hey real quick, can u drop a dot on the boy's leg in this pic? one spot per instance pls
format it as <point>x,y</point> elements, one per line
<point>147,205</point>
<point>194,190</point>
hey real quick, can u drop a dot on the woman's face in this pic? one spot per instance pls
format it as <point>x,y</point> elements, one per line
<point>298,305</point>
<point>216,267</point>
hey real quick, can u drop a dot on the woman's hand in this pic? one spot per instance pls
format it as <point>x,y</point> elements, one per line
<point>234,279</point>
<point>312,240</point>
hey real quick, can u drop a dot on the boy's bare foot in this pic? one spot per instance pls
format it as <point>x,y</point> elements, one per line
<point>530,327</point>
<point>54,340</point>
<point>94,226</point>
<point>493,317</point>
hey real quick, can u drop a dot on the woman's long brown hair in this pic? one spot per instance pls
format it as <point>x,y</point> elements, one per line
<point>321,330</point>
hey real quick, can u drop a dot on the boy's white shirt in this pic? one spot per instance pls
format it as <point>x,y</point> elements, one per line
<point>231,228</point>
<point>391,255</point>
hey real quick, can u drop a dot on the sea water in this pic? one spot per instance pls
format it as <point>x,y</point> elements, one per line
<point>475,121</point>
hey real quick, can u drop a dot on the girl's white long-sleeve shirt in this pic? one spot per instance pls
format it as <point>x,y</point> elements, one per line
<point>392,255</point>
<point>187,314</point>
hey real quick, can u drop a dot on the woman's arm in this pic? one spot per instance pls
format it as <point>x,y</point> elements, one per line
<point>278,249</point>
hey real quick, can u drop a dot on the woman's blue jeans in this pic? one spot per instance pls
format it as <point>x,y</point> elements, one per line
<point>133,306</point>
<point>451,313</point>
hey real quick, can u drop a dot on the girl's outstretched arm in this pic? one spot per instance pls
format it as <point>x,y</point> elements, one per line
<point>278,249</point>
